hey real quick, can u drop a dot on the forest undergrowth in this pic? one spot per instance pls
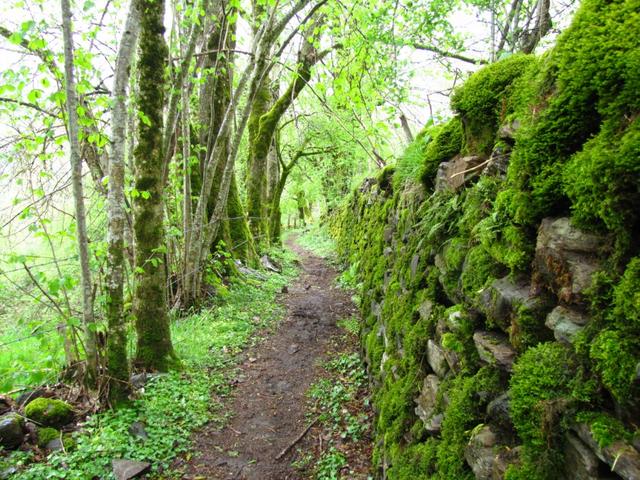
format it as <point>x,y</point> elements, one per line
<point>170,406</point>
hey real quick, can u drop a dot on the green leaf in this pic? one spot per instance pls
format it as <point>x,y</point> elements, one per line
<point>34,95</point>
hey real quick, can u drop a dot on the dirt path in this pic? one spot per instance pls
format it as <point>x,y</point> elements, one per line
<point>268,404</point>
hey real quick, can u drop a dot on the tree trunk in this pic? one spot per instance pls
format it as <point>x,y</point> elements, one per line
<point>240,236</point>
<point>276,213</point>
<point>261,141</point>
<point>215,97</point>
<point>78,195</point>
<point>154,347</point>
<point>117,362</point>
<point>257,165</point>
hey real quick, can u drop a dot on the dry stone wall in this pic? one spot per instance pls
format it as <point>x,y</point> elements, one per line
<point>500,287</point>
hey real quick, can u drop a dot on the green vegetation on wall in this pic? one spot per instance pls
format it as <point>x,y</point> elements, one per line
<point>561,135</point>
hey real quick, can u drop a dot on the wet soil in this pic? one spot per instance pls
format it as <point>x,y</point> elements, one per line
<point>268,405</point>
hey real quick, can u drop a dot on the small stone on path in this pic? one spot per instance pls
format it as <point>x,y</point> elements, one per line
<point>128,469</point>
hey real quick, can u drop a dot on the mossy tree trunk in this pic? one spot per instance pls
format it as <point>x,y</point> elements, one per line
<point>154,347</point>
<point>262,132</point>
<point>117,362</point>
<point>215,97</point>
<point>257,165</point>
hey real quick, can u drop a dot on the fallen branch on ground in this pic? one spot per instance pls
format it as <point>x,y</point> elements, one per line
<point>299,437</point>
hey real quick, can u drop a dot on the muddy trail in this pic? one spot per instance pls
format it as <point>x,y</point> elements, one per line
<point>268,404</point>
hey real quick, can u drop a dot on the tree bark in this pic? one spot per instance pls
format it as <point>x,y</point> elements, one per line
<point>117,362</point>
<point>78,195</point>
<point>264,128</point>
<point>154,348</point>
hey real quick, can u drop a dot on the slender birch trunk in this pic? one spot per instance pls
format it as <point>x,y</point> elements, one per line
<point>78,194</point>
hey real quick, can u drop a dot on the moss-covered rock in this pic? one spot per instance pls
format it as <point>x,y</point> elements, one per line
<point>546,381</point>
<point>49,412</point>
<point>46,434</point>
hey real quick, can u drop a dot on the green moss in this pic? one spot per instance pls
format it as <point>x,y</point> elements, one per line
<point>409,165</point>
<point>375,348</point>
<point>395,406</point>
<point>46,434</point>
<point>605,428</point>
<point>528,327</point>
<point>615,356</point>
<point>453,256</point>
<point>385,178</point>
<point>586,86</point>
<point>508,244</point>
<point>49,412</point>
<point>483,101</point>
<point>626,297</point>
<point>464,410</point>
<point>478,204</point>
<point>602,180</point>
<point>415,461</point>
<point>545,381</point>
<point>480,269</point>
<point>446,142</point>
<point>614,342</point>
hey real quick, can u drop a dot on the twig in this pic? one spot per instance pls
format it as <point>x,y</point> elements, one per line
<point>298,438</point>
<point>473,168</point>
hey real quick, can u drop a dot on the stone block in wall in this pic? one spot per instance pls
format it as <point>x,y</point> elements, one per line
<point>387,234</point>
<point>454,294</point>
<point>500,301</point>
<point>454,360</point>
<point>622,458</point>
<point>480,452</point>
<point>498,412</point>
<point>498,163</point>
<point>455,173</point>
<point>376,309</point>
<point>494,348</point>
<point>436,359</point>
<point>566,258</point>
<point>504,458</point>
<point>386,281</point>
<point>426,404</point>
<point>415,261</point>
<point>507,131</point>
<point>425,309</point>
<point>580,463</point>
<point>566,323</point>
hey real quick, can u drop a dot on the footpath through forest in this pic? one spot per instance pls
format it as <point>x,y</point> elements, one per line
<point>269,426</point>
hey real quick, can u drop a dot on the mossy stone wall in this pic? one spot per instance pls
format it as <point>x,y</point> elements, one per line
<point>500,317</point>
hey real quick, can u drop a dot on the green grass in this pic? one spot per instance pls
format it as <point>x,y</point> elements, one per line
<point>316,239</point>
<point>175,404</point>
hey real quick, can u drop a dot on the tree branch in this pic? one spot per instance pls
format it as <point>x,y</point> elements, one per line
<point>444,53</point>
<point>30,105</point>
